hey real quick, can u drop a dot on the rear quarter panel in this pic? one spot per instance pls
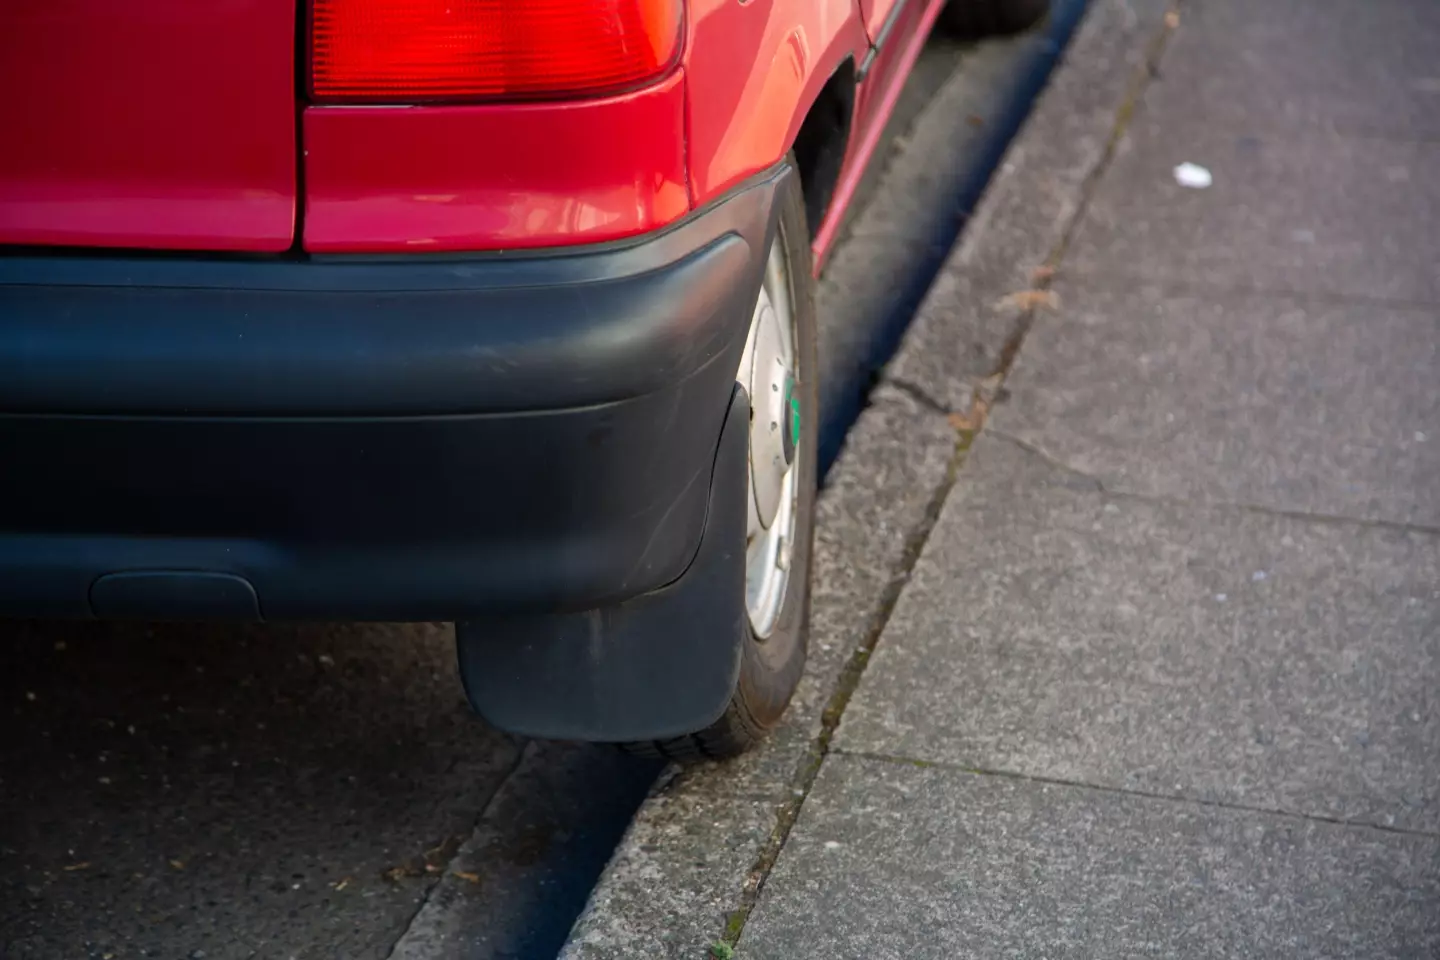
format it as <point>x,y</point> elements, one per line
<point>753,71</point>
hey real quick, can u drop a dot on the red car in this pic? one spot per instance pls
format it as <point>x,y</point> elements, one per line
<point>494,311</point>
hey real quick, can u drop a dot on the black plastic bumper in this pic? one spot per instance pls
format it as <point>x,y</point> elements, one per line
<point>420,439</point>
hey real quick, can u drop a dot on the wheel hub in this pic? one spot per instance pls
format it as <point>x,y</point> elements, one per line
<point>790,435</point>
<point>767,371</point>
<point>769,381</point>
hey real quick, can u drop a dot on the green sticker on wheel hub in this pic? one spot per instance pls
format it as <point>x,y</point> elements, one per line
<point>790,436</point>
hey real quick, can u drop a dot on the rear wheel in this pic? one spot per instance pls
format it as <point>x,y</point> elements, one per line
<point>983,18</point>
<point>777,370</point>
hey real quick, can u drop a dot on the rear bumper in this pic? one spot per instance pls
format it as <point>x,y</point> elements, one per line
<point>424,439</point>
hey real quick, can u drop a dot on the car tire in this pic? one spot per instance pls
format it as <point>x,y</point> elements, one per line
<point>771,667</point>
<point>985,18</point>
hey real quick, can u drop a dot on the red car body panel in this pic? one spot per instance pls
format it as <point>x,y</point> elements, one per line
<point>162,123</point>
<point>488,176</point>
<point>754,70</point>
<point>172,125</point>
<point>875,13</point>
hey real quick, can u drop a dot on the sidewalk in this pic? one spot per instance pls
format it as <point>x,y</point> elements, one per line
<point>1149,664</point>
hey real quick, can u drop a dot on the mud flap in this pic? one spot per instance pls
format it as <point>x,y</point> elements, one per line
<point>662,665</point>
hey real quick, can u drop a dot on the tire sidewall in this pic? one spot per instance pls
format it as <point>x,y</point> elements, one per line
<point>770,668</point>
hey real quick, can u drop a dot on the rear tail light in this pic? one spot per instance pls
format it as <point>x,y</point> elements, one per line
<point>409,50</point>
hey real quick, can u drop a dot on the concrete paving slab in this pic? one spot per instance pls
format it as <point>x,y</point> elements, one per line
<point>1321,406</point>
<point>1291,212</point>
<point>691,850</point>
<point>959,330</point>
<point>1224,655</point>
<point>1365,69</point>
<point>893,862</point>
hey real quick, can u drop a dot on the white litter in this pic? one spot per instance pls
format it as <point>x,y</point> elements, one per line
<point>832,845</point>
<point>1193,175</point>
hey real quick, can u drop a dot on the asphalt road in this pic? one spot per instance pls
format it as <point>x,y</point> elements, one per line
<point>311,792</point>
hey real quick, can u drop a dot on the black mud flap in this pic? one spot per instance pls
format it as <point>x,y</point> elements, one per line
<point>662,665</point>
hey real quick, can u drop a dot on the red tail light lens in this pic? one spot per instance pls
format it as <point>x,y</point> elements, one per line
<point>406,50</point>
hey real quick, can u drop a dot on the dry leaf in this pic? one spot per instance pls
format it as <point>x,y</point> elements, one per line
<point>973,419</point>
<point>986,389</point>
<point>975,121</point>
<point>1041,274</point>
<point>178,864</point>
<point>467,877</point>
<point>1172,19</point>
<point>77,866</point>
<point>444,849</point>
<point>1028,300</point>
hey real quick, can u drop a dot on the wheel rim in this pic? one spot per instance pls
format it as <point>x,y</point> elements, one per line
<point>768,373</point>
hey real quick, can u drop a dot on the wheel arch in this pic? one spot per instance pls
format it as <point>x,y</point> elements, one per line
<point>822,142</point>
<point>797,55</point>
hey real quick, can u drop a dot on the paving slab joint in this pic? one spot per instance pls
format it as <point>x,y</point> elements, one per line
<point>966,769</point>
<point>1307,516</point>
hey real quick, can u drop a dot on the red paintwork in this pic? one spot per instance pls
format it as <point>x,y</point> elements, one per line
<point>148,123</point>
<point>875,12</point>
<point>754,69</point>
<point>171,123</point>
<point>488,176</point>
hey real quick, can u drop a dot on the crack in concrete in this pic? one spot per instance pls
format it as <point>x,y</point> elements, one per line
<point>1306,516</point>
<point>950,767</point>
<point>917,393</point>
<point>1049,458</point>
